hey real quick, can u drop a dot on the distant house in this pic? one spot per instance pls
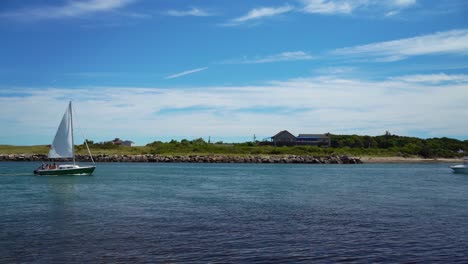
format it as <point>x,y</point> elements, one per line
<point>128,143</point>
<point>118,141</point>
<point>285,138</point>
<point>314,139</point>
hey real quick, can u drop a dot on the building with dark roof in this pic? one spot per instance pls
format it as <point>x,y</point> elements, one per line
<point>118,141</point>
<point>285,138</point>
<point>314,139</point>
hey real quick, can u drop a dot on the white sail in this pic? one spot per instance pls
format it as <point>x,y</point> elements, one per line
<point>62,147</point>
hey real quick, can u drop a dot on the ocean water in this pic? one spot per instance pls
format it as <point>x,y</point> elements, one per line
<point>235,213</point>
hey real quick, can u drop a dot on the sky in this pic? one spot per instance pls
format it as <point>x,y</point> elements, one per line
<point>156,70</point>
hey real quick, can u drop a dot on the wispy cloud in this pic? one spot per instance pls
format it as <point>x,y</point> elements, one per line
<point>177,75</point>
<point>396,6</point>
<point>447,42</point>
<point>70,9</point>
<point>331,7</point>
<point>392,13</point>
<point>403,3</point>
<point>283,56</point>
<point>433,78</point>
<point>191,12</point>
<point>327,7</point>
<point>260,13</point>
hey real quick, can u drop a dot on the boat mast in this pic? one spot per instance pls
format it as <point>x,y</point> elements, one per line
<point>71,125</point>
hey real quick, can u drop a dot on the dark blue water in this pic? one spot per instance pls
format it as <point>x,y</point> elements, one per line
<point>182,213</point>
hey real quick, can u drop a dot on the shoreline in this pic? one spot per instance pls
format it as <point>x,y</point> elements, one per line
<point>215,158</point>
<point>409,160</point>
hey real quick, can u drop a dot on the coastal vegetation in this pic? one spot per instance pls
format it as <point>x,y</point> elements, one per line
<point>386,145</point>
<point>402,146</point>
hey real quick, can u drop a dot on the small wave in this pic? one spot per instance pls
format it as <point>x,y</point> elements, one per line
<point>16,174</point>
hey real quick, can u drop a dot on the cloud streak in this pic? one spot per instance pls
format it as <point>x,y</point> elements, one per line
<point>260,13</point>
<point>69,10</point>
<point>280,57</point>
<point>404,3</point>
<point>325,7</point>
<point>177,75</point>
<point>446,42</point>
<point>191,12</point>
<point>329,7</point>
<point>332,7</point>
<point>433,78</point>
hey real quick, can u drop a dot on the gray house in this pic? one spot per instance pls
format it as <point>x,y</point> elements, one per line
<point>118,141</point>
<point>314,139</point>
<point>285,138</point>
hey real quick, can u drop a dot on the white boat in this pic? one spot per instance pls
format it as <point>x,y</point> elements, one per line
<point>461,168</point>
<point>63,147</point>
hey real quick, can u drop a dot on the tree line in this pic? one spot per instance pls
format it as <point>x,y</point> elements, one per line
<point>432,147</point>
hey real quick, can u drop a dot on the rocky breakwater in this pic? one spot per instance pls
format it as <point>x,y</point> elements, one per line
<point>297,159</point>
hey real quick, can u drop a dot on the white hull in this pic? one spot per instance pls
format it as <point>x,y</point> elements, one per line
<point>460,169</point>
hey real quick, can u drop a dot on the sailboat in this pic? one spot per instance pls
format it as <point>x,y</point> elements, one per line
<point>63,147</point>
<point>461,168</point>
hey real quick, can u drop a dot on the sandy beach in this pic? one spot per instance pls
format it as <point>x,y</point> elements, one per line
<point>409,160</point>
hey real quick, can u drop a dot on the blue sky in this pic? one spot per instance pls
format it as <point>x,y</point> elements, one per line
<point>157,70</point>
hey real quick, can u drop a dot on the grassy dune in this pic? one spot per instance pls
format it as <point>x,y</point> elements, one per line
<point>39,149</point>
<point>204,149</point>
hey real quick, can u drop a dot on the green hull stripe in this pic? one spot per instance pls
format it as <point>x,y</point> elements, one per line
<point>86,170</point>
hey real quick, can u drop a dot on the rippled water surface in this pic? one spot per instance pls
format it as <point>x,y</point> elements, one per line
<point>181,213</point>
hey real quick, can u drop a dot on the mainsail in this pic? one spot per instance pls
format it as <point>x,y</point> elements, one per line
<point>62,147</point>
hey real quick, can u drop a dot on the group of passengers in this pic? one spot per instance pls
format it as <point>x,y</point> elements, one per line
<point>49,166</point>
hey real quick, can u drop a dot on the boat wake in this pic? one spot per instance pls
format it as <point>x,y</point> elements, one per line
<point>15,174</point>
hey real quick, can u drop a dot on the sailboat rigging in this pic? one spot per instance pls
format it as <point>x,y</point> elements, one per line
<point>63,147</point>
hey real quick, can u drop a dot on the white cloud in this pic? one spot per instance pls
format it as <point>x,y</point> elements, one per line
<point>392,13</point>
<point>334,71</point>
<point>397,6</point>
<point>191,12</point>
<point>433,78</point>
<point>447,42</point>
<point>177,75</point>
<point>404,3</point>
<point>70,9</point>
<point>283,56</point>
<point>306,105</point>
<point>259,13</point>
<point>329,7</point>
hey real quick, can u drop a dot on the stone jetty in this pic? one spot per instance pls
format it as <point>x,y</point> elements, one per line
<point>304,159</point>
